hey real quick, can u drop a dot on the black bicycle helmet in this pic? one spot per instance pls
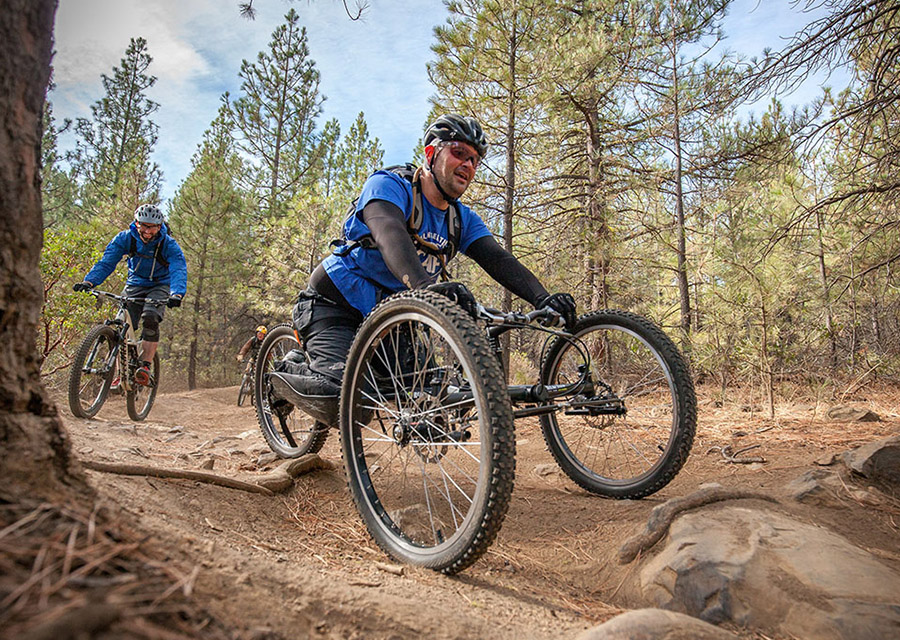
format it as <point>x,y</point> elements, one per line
<point>455,127</point>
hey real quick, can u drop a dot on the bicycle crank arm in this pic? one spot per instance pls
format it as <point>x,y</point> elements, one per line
<point>613,407</point>
<point>535,411</point>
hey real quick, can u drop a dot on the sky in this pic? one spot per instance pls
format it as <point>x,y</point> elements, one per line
<point>375,65</point>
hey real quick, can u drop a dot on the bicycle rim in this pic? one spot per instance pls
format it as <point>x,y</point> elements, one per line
<point>427,433</point>
<point>139,399</point>
<point>92,372</point>
<point>637,451</point>
<point>288,431</point>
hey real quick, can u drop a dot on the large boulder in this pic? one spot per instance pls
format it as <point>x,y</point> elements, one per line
<point>878,462</point>
<point>655,624</point>
<point>765,570</point>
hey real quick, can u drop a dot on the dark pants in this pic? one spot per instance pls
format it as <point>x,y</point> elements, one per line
<point>327,330</point>
<point>151,311</point>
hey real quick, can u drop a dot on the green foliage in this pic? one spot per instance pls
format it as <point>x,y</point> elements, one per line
<point>112,156</point>
<point>211,215</point>
<point>617,171</point>
<point>276,116</point>
<point>69,252</point>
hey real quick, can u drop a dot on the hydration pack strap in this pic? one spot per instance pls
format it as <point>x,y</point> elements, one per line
<point>342,246</point>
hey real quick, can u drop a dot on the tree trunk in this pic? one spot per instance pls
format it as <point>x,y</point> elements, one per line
<point>510,191</point>
<point>35,453</point>
<point>684,294</point>
<point>826,297</point>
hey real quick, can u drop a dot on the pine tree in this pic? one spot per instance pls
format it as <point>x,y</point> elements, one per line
<point>487,66</point>
<point>112,157</point>
<point>210,214</point>
<point>680,96</point>
<point>276,115</point>
<point>57,186</point>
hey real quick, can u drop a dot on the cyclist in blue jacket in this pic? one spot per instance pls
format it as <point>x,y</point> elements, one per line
<point>157,272</point>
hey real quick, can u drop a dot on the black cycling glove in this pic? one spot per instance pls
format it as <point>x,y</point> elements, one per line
<point>563,304</point>
<point>457,292</point>
<point>173,301</point>
<point>82,286</point>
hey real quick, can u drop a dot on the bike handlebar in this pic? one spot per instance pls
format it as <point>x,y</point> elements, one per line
<point>108,296</point>
<point>545,317</point>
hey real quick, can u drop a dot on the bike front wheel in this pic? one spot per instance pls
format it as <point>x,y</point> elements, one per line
<point>288,431</point>
<point>139,398</point>
<point>633,435</point>
<point>92,372</point>
<point>427,432</point>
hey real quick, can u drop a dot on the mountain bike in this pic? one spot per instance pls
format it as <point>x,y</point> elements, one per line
<point>427,419</point>
<point>109,351</point>
<point>247,384</point>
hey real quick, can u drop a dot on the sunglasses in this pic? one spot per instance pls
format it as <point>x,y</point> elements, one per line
<point>461,152</point>
<point>147,225</point>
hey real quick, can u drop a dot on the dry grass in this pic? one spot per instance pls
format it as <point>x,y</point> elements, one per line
<point>68,574</point>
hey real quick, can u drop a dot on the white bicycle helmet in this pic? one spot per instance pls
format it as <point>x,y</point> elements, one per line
<point>149,214</point>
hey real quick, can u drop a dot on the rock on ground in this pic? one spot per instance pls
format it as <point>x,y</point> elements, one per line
<point>762,569</point>
<point>655,624</point>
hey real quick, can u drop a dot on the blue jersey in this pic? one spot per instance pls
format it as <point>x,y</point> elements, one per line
<point>144,270</point>
<point>361,275</point>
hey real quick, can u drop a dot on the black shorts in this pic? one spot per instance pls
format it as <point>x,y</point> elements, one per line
<point>158,292</point>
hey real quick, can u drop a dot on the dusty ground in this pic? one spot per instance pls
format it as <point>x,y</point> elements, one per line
<point>300,564</point>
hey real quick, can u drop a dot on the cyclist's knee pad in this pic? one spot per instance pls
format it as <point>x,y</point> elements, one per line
<point>151,328</point>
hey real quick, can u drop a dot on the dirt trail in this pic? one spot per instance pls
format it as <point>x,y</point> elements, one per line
<point>301,563</point>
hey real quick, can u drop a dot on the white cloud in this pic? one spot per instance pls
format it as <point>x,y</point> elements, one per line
<point>376,66</point>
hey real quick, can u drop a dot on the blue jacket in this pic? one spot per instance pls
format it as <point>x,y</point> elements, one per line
<point>144,270</point>
<point>362,276</point>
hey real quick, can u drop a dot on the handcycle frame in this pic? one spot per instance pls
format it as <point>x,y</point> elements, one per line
<point>539,395</point>
<point>427,418</point>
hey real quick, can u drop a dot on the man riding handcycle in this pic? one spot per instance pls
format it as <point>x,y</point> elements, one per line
<point>407,367</point>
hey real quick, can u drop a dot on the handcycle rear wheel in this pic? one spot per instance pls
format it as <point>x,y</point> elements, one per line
<point>288,431</point>
<point>139,398</point>
<point>427,432</point>
<point>92,372</point>
<point>638,446</point>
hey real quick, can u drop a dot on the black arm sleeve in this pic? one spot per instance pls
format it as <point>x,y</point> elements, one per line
<point>506,269</point>
<point>388,226</point>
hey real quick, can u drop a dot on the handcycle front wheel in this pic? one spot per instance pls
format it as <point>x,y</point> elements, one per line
<point>139,398</point>
<point>92,372</point>
<point>427,432</point>
<point>633,436</point>
<point>288,431</point>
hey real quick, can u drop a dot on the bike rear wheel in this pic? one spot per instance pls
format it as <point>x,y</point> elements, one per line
<point>246,387</point>
<point>139,398</point>
<point>92,371</point>
<point>427,432</point>
<point>288,431</point>
<point>639,431</point>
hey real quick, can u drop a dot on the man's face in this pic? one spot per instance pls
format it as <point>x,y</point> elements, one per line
<point>454,166</point>
<point>260,335</point>
<point>148,231</point>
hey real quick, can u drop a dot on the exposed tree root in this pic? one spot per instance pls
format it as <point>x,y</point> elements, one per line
<point>157,472</point>
<point>662,516</point>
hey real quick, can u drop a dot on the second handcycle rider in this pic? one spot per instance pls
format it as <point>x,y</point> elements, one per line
<point>383,252</point>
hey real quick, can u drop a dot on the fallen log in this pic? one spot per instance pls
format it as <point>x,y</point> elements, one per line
<point>183,474</point>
